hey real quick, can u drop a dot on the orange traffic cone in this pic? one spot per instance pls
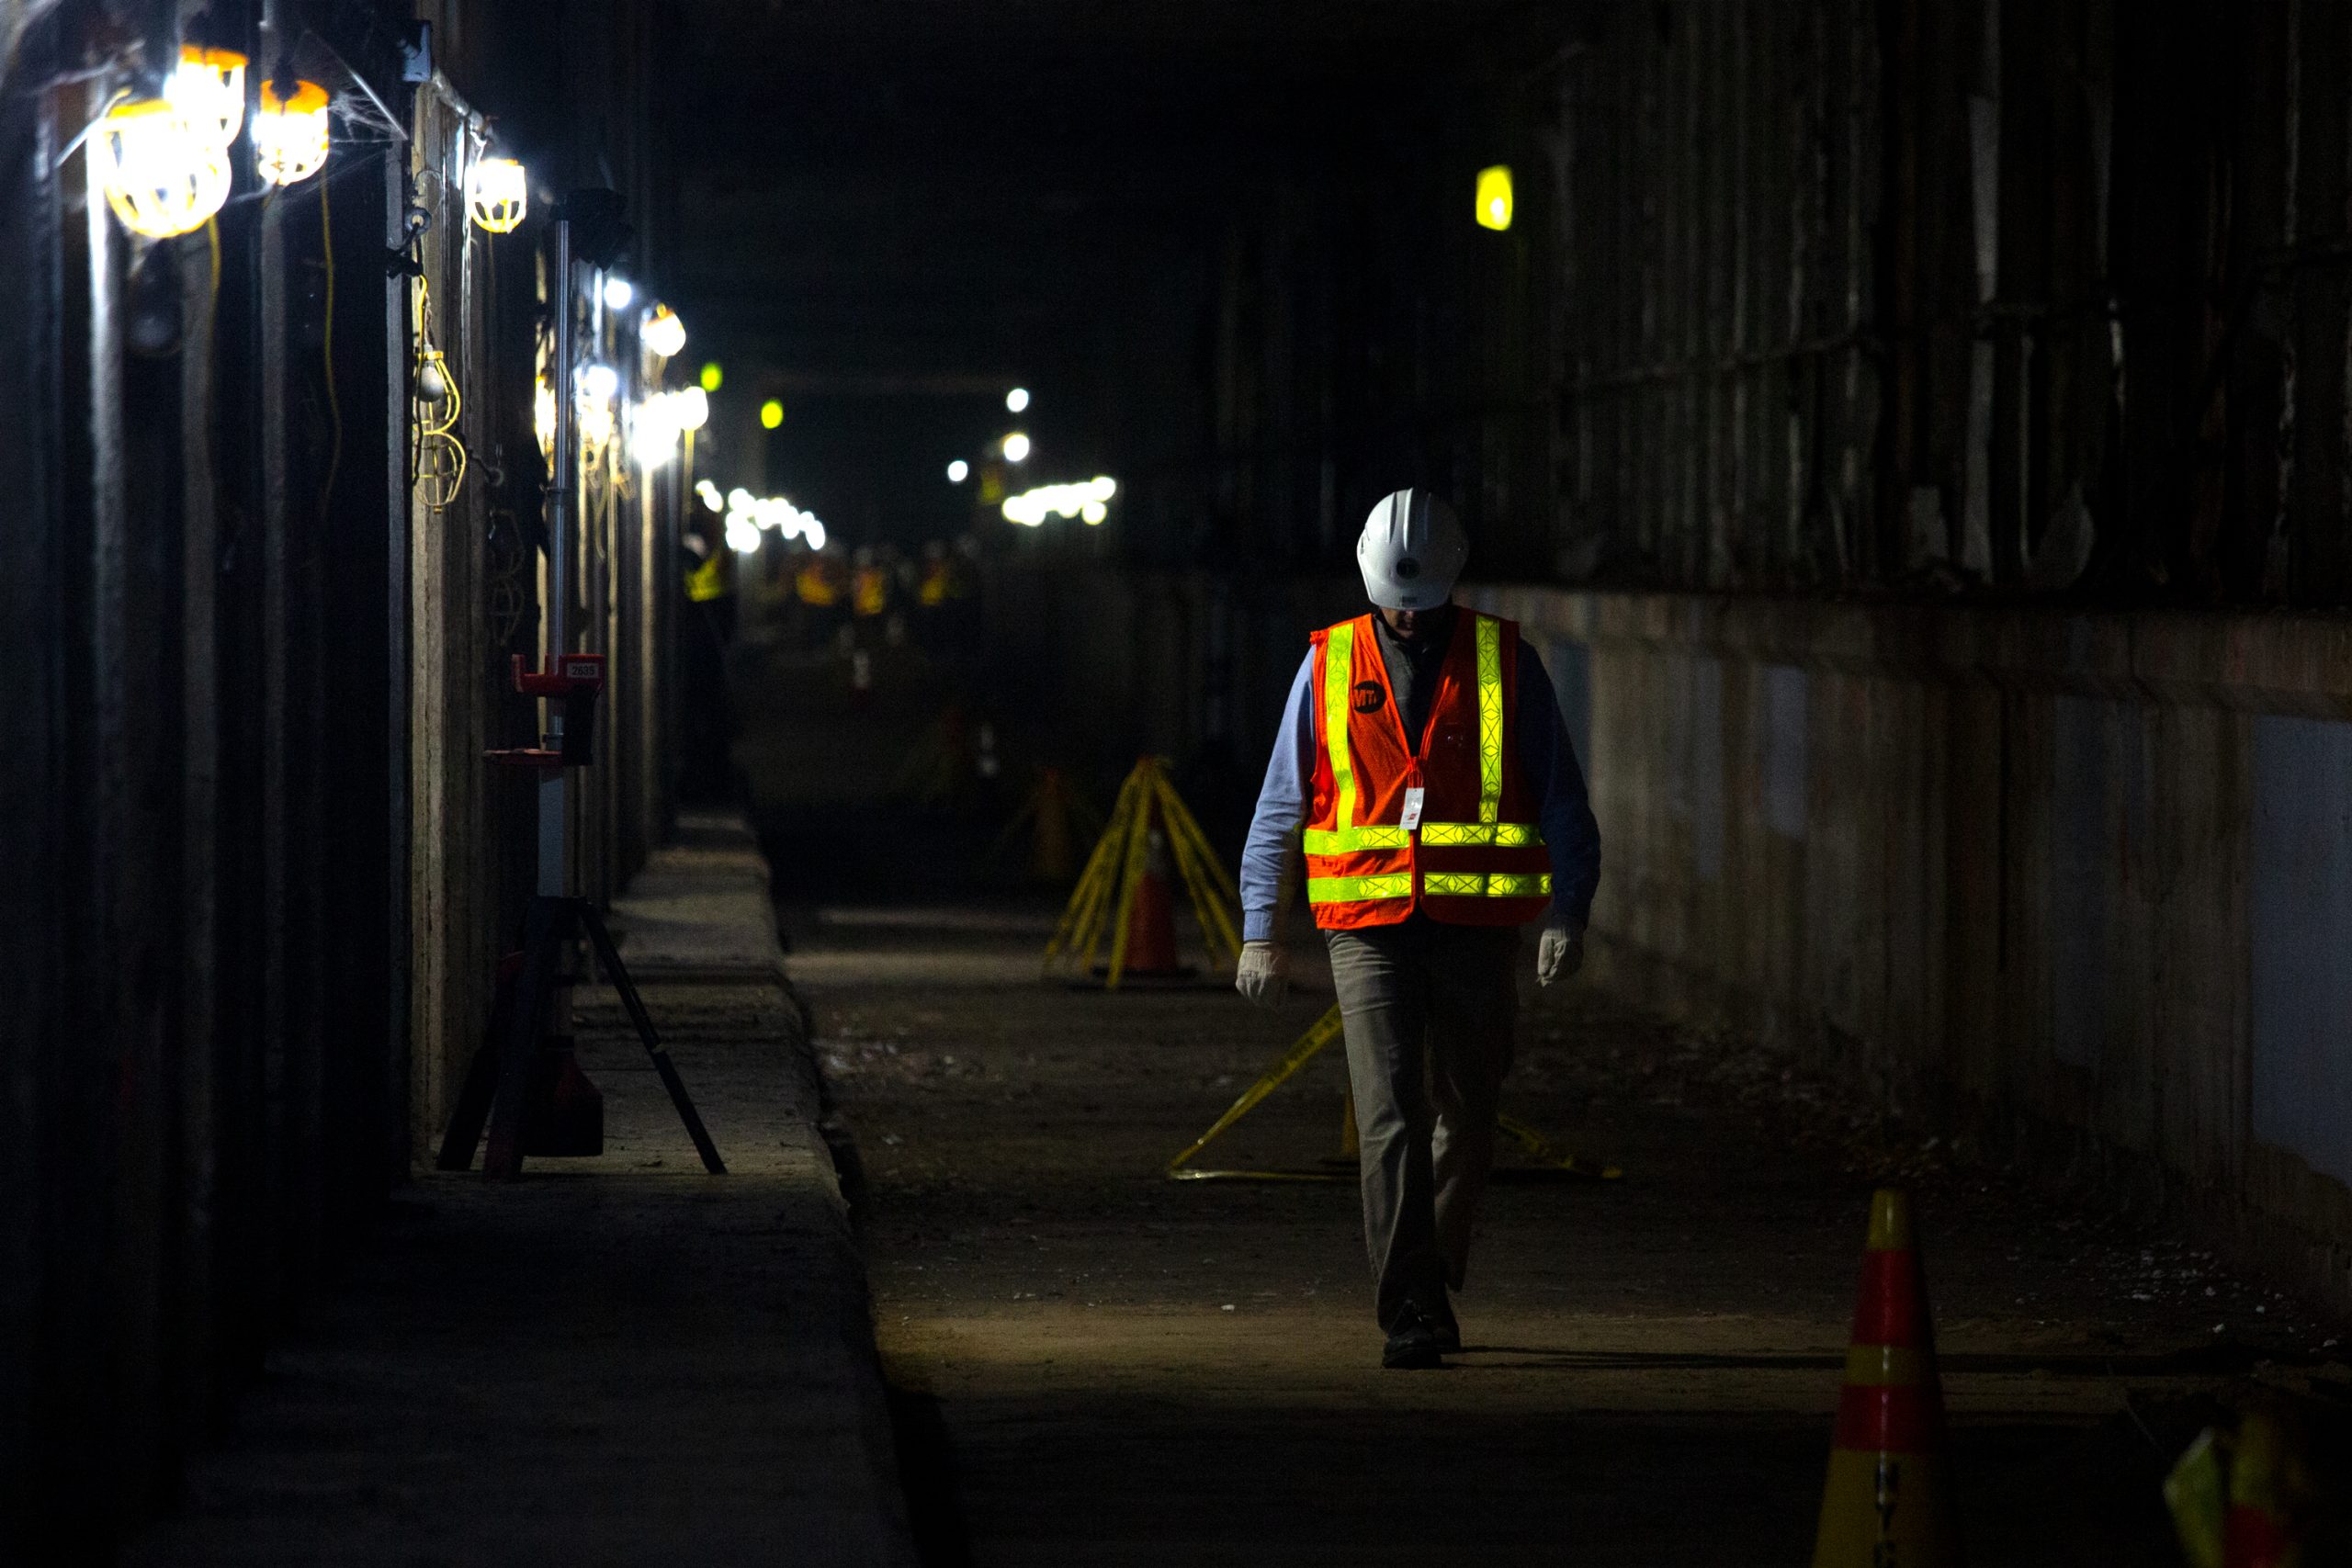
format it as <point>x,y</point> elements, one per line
<point>1888,1500</point>
<point>1151,923</point>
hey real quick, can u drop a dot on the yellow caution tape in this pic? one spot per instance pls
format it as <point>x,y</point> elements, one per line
<point>1321,1033</point>
<point>1105,895</point>
<point>1543,1153</point>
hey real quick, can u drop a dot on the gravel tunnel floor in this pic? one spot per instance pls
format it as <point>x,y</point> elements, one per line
<point>1095,1364</point>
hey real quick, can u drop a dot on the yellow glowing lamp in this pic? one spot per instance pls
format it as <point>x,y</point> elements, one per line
<point>771,414</point>
<point>663,333</point>
<point>208,89</point>
<point>162,175</point>
<point>712,376</point>
<point>498,193</point>
<point>290,133</point>
<point>1494,198</point>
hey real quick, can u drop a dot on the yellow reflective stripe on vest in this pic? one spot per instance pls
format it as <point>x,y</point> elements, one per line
<point>1354,889</point>
<point>1464,835</point>
<point>1490,719</point>
<point>1338,666</point>
<point>1497,885</point>
<point>1346,841</point>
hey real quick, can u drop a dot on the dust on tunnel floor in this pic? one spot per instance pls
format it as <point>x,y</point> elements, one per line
<point>1116,1368</point>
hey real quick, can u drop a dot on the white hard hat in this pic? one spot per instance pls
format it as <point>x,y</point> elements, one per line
<point>1411,550</point>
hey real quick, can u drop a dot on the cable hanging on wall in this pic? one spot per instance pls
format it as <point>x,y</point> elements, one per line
<point>434,406</point>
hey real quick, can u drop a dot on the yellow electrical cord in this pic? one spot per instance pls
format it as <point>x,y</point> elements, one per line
<point>212,298</point>
<point>441,455</point>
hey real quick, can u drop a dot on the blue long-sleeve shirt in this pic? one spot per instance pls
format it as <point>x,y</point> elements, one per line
<point>1547,762</point>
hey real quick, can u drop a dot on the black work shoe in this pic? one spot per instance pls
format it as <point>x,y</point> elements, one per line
<point>1449,1337</point>
<point>1413,1344</point>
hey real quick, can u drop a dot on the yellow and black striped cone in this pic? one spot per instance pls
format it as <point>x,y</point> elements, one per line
<point>1888,1502</point>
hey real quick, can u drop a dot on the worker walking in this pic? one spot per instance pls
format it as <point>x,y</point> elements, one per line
<point>1441,806</point>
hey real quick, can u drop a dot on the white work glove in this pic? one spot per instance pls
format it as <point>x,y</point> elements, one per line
<point>1261,975</point>
<point>1560,953</point>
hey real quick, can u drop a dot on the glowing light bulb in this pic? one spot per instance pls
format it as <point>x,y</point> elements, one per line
<point>1016,447</point>
<point>1017,398</point>
<point>958,471</point>
<point>712,376</point>
<point>593,403</point>
<point>161,178</point>
<point>1494,198</point>
<point>654,431</point>
<point>618,293</point>
<point>1031,508</point>
<point>708,494</point>
<point>207,88</point>
<point>693,405</point>
<point>497,194</point>
<point>771,414</point>
<point>663,333</point>
<point>289,136</point>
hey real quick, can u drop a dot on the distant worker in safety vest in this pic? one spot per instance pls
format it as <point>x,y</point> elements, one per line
<point>817,582</point>
<point>938,584</point>
<point>1424,761</point>
<point>869,584</point>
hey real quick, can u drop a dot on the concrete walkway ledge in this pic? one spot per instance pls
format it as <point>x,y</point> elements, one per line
<point>619,1360</point>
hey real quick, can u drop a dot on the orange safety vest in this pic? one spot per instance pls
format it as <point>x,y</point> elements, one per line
<point>1472,854</point>
<point>871,588</point>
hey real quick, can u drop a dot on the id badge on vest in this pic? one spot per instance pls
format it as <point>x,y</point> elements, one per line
<point>1412,817</point>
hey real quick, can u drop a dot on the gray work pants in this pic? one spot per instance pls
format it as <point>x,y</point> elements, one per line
<point>1430,1010</point>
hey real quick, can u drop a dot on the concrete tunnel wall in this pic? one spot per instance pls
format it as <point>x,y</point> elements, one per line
<point>2077,886</point>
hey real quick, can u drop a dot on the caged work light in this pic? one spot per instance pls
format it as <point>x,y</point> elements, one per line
<point>162,175</point>
<point>290,132</point>
<point>497,194</point>
<point>663,334</point>
<point>208,89</point>
<point>1494,198</point>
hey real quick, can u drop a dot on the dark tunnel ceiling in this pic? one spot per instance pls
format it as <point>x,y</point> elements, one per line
<point>935,188</point>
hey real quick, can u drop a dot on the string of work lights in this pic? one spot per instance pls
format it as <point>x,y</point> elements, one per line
<point>164,160</point>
